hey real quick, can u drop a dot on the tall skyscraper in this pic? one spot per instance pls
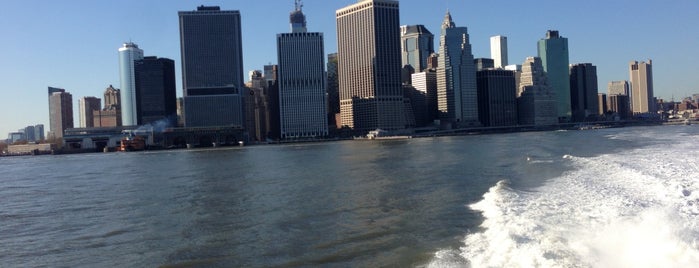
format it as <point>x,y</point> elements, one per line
<point>333,89</point>
<point>87,107</point>
<point>155,84</point>
<point>212,67</point>
<point>618,88</point>
<point>497,100</point>
<point>553,51</point>
<point>369,65</point>
<point>456,76</point>
<point>60,113</point>
<point>642,99</point>
<point>301,75</point>
<point>498,50</point>
<point>417,44</point>
<point>51,108</point>
<point>583,91</point>
<point>536,104</point>
<point>128,54</point>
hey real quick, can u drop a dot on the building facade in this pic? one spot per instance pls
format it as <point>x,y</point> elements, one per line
<point>484,64</point>
<point>553,51</point>
<point>536,103</point>
<point>60,113</point>
<point>128,54</point>
<point>87,108</point>
<point>456,76</point>
<point>110,114</point>
<point>155,87</point>
<point>583,92</point>
<point>497,97</point>
<point>333,89</point>
<point>212,67</point>
<point>301,75</point>
<point>618,88</point>
<point>426,83</point>
<point>369,66</point>
<point>642,99</point>
<point>498,50</point>
<point>417,44</point>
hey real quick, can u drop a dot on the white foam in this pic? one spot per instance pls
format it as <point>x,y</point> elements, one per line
<point>637,208</point>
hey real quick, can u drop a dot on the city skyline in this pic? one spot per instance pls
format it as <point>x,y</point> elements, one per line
<point>77,51</point>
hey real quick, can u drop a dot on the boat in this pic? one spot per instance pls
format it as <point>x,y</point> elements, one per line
<point>135,143</point>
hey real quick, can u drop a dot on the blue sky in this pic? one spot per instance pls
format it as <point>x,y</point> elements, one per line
<point>73,44</point>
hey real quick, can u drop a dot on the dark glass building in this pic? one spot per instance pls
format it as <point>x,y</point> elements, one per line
<point>583,91</point>
<point>497,97</point>
<point>212,67</point>
<point>155,90</point>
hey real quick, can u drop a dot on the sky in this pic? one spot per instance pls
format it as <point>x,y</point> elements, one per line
<point>73,44</point>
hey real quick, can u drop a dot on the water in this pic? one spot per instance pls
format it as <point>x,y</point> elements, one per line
<point>624,197</point>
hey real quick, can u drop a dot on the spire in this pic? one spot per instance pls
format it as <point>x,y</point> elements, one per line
<point>448,22</point>
<point>297,19</point>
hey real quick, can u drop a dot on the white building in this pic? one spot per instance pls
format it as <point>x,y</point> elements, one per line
<point>498,50</point>
<point>128,53</point>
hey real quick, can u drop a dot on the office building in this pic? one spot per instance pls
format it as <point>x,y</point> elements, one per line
<point>212,67</point>
<point>583,92</point>
<point>369,65</point>
<point>642,99</point>
<point>553,51</point>
<point>456,76</point>
<point>498,50</point>
<point>417,44</point>
<point>619,104</point>
<point>602,106</point>
<point>39,133</point>
<point>60,113</point>
<point>52,90</point>
<point>618,88</point>
<point>155,87</point>
<point>333,90</point>
<point>426,83</point>
<point>128,54</point>
<point>497,100</point>
<point>301,80</point>
<point>484,64</point>
<point>536,104</point>
<point>29,133</point>
<point>110,114</point>
<point>87,107</point>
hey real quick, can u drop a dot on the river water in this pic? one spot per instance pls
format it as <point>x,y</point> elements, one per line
<point>626,197</point>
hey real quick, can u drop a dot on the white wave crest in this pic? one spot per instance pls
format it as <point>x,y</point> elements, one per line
<point>634,209</point>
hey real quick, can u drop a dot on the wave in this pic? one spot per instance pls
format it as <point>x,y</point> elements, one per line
<point>638,208</point>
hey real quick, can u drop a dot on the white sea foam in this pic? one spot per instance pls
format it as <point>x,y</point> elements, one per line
<point>633,209</point>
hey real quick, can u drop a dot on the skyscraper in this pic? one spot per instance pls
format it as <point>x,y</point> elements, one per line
<point>155,84</point>
<point>333,89</point>
<point>497,97</point>
<point>301,75</point>
<point>618,88</point>
<point>483,64</point>
<point>128,54</point>
<point>51,108</point>
<point>536,104</point>
<point>369,65</point>
<point>456,76</point>
<point>498,50</point>
<point>417,44</point>
<point>87,107</point>
<point>212,67</point>
<point>553,51</point>
<point>110,115</point>
<point>60,113</point>
<point>39,132</point>
<point>583,91</point>
<point>426,83</point>
<point>642,100</point>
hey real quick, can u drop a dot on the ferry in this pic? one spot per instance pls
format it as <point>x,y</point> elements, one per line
<point>136,143</point>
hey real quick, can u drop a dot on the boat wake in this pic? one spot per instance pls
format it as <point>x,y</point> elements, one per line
<point>637,209</point>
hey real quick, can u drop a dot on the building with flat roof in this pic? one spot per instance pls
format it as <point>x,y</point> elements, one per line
<point>498,51</point>
<point>212,67</point>
<point>497,98</point>
<point>553,51</point>
<point>642,99</point>
<point>155,84</point>
<point>583,91</point>
<point>369,66</point>
<point>60,113</point>
<point>87,108</point>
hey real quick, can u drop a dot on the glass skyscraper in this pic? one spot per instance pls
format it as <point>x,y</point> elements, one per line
<point>212,67</point>
<point>129,53</point>
<point>301,80</point>
<point>456,76</point>
<point>417,44</point>
<point>583,91</point>
<point>155,83</point>
<point>553,51</point>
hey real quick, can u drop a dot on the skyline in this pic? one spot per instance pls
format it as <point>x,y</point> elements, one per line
<point>75,45</point>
